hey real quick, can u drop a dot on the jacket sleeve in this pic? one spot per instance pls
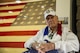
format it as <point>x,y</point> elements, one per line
<point>70,43</point>
<point>29,42</point>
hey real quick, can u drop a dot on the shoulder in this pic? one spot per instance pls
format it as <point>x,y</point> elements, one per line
<point>65,29</point>
<point>41,30</point>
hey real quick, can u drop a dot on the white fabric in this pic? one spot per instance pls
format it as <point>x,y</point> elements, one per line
<point>65,43</point>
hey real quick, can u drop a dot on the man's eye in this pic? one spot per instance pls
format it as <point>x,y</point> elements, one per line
<point>47,18</point>
<point>52,17</point>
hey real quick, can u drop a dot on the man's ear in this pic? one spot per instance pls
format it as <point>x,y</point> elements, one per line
<point>60,22</point>
<point>56,16</point>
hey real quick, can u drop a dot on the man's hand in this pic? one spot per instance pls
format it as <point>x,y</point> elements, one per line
<point>35,45</point>
<point>38,47</point>
<point>47,47</point>
<point>43,47</point>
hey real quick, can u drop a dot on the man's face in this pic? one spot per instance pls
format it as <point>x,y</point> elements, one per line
<point>52,21</point>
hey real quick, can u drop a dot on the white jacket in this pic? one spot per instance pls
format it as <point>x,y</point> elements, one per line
<point>66,43</point>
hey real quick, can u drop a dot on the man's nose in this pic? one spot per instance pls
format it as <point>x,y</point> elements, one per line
<point>50,19</point>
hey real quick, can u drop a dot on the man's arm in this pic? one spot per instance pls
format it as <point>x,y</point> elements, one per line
<point>70,43</point>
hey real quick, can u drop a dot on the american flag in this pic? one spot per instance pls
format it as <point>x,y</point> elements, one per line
<point>19,22</point>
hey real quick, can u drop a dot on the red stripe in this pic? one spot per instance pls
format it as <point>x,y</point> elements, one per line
<point>5,24</point>
<point>12,44</point>
<point>18,33</point>
<point>14,10</point>
<point>14,4</point>
<point>7,17</point>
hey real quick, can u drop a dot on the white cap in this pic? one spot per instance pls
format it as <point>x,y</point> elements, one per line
<point>49,11</point>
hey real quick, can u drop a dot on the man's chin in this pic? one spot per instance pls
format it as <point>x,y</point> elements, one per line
<point>52,26</point>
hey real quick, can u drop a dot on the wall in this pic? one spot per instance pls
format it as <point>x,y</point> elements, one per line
<point>63,9</point>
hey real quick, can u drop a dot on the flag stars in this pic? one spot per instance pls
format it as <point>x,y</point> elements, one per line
<point>38,17</point>
<point>40,2</point>
<point>29,22</point>
<point>28,4</point>
<point>33,13</point>
<point>29,10</point>
<point>34,3</point>
<point>15,23</point>
<point>23,10</point>
<point>31,6</point>
<point>43,21</point>
<point>42,6</point>
<point>38,5</point>
<point>40,13</point>
<point>51,4</point>
<point>22,22</point>
<point>31,18</point>
<point>53,0</point>
<point>18,18</point>
<point>36,9</point>
<point>43,9</point>
<point>21,14</point>
<point>26,7</point>
<point>24,18</point>
<point>46,1</point>
<point>36,22</point>
<point>27,14</point>
<point>45,5</point>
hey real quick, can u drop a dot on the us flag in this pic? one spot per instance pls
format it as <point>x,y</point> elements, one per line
<point>21,21</point>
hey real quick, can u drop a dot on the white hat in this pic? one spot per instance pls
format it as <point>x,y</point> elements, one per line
<point>49,11</point>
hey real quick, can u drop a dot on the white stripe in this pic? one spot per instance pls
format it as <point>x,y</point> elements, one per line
<point>22,28</point>
<point>15,38</point>
<point>12,7</point>
<point>21,2</point>
<point>7,20</point>
<point>12,50</point>
<point>9,14</point>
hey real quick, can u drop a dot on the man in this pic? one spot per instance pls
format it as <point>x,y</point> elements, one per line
<point>53,38</point>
